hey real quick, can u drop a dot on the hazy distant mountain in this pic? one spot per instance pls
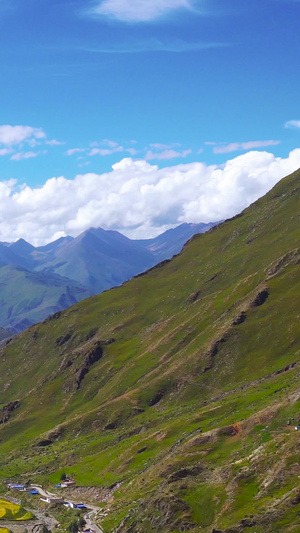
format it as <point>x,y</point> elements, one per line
<point>28,297</point>
<point>36,282</point>
<point>171,241</point>
<point>5,334</point>
<point>99,259</point>
<point>8,256</point>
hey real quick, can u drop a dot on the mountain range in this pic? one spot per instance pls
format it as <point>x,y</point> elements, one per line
<point>39,281</point>
<point>173,399</point>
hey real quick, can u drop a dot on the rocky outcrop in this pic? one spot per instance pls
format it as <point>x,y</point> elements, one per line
<point>60,341</point>
<point>92,356</point>
<point>7,410</point>
<point>260,298</point>
<point>193,297</point>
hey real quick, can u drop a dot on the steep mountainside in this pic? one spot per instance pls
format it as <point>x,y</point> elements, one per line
<point>178,392</point>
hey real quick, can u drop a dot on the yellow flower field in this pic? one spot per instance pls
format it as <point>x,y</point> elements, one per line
<point>12,511</point>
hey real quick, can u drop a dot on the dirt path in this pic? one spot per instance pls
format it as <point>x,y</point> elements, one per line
<point>88,516</point>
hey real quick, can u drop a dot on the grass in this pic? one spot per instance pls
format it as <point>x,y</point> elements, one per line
<point>158,402</point>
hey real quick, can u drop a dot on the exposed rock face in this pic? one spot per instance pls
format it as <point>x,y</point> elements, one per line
<point>193,297</point>
<point>7,410</point>
<point>185,472</point>
<point>45,442</point>
<point>260,298</point>
<point>212,352</point>
<point>239,319</point>
<point>92,356</point>
<point>156,398</point>
<point>64,338</point>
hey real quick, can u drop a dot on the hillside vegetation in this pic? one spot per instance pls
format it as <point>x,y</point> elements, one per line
<point>178,391</point>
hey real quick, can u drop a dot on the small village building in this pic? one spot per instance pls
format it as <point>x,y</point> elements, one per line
<point>15,486</point>
<point>67,483</point>
<point>75,505</point>
<point>50,499</point>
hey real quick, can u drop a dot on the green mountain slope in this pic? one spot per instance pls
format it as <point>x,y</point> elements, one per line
<point>180,388</point>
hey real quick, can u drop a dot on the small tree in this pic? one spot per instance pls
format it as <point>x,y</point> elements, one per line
<point>63,477</point>
<point>81,522</point>
<point>73,527</point>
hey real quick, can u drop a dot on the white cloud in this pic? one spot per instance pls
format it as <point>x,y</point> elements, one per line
<point>111,144</point>
<point>140,10</point>
<point>5,151</point>
<point>138,198</point>
<point>103,148</point>
<point>13,135</point>
<point>160,146</point>
<point>18,156</point>
<point>106,151</point>
<point>54,142</point>
<point>131,151</point>
<point>234,147</point>
<point>292,124</point>
<point>73,151</point>
<point>108,148</point>
<point>166,154</point>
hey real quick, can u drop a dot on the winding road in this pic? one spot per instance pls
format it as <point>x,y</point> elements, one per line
<point>88,516</point>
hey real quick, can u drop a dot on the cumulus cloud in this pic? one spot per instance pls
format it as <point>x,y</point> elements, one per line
<point>12,135</point>
<point>137,198</point>
<point>139,10</point>
<point>235,147</point>
<point>292,124</point>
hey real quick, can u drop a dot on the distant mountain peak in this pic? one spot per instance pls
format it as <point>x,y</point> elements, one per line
<point>21,245</point>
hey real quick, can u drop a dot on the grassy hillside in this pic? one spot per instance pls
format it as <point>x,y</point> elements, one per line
<point>179,391</point>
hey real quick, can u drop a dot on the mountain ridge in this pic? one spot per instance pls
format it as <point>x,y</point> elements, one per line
<point>178,388</point>
<point>95,260</point>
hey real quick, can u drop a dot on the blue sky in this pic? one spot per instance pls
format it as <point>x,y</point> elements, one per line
<point>168,82</point>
